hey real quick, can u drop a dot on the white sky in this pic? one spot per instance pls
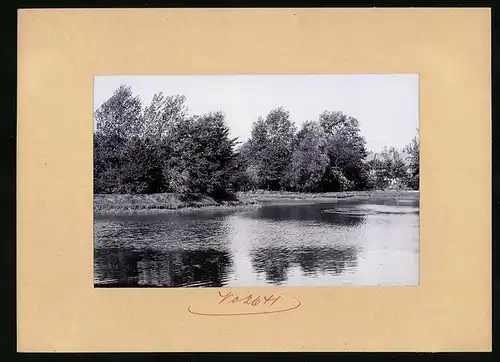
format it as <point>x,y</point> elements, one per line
<point>386,105</point>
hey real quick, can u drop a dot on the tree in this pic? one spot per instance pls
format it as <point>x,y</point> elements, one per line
<point>107,163</point>
<point>126,159</point>
<point>162,114</point>
<point>413,151</point>
<point>346,151</point>
<point>388,167</point>
<point>378,174</point>
<point>398,167</point>
<point>245,176</point>
<point>271,146</point>
<point>141,167</point>
<point>201,155</point>
<point>309,159</point>
<point>120,115</point>
<point>162,149</point>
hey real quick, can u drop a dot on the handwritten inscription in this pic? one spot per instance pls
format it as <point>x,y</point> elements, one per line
<point>228,303</point>
<point>249,299</point>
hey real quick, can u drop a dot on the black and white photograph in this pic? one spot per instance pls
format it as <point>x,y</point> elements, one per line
<point>256,180</point>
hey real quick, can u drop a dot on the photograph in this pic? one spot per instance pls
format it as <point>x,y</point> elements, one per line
<point>217,181</point>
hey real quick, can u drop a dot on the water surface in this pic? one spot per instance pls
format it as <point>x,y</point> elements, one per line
<point>325,244</point>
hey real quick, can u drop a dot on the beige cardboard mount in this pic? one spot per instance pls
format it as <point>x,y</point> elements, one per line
<point>60,52</point>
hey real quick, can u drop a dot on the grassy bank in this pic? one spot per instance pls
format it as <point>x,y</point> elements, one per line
<point>262,195</point>
<point>167,202</point>
<point>118,203</point>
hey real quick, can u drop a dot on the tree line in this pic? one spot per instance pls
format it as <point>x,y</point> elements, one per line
<point>161,148</point>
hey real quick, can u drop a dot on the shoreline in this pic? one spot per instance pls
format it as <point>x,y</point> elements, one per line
<point>112,204</point>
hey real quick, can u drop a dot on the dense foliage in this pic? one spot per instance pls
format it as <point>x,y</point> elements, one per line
<point>160,148</point>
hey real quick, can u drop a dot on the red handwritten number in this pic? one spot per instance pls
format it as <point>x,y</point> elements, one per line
<point>256,301</point>
<point>267,299</point>
<point>225,297</point>
<point>248,299</point>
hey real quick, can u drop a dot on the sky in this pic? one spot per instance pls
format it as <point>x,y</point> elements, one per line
<point>386,105</point>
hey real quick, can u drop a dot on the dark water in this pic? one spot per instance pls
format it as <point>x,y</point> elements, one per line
<point>361,243</point>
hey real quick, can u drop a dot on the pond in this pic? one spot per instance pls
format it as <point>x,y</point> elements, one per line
<point>323,244</point>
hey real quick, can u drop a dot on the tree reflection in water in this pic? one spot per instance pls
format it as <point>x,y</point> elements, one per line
<point>166,268</point>
<point>285,244</point>
<point>275,263</point>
